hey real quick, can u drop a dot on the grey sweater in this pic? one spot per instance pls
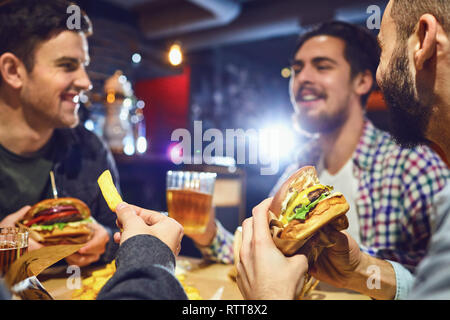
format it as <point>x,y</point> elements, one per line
<point>433,274</point>
<point>145,271</point>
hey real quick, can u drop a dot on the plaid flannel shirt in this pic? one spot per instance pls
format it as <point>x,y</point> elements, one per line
<point>396,189</point>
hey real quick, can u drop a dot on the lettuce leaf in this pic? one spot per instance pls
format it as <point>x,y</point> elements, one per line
<point>60,225</point>
<point>301,213</point>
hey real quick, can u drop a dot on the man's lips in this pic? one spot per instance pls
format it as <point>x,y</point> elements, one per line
<point>71,97</point>
<point>309,98</point>
<point>309,95</point>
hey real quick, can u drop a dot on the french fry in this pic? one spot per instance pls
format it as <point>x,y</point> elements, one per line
<point>88,281</point>
<point>109,190</point>
<point>192,292</point>
<point>101,273</point>
<point>92,285</point>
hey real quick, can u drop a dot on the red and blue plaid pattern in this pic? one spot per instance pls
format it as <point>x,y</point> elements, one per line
<point>395,196</point>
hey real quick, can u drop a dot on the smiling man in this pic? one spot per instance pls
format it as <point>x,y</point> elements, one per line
<point>414,75</point>
<point>333,74</point>
<point>42,75</point>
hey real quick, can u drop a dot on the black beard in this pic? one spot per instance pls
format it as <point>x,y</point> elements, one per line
<point>408,116</point>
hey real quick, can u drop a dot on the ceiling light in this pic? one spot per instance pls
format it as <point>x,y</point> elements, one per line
<point>175,55</point>
<point>136,58</point>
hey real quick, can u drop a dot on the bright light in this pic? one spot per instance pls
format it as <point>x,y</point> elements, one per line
<point>286,72</point>
<point>136,58</point>
<point>89,124</point>
<point>84,98</point>
<point>123,79</point>
<point>140,104</point>
<point>141,144</point>
<point>276,141</point>
<point>175,55</point>
<point>175,153</point>
<point>127,102</point>
<point>111,97</point>
<point>128,146</point>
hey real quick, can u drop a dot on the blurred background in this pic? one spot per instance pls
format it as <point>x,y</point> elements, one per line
<point>160,65</point>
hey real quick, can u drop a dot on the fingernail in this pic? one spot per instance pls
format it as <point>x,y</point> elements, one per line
<point>121,205</point>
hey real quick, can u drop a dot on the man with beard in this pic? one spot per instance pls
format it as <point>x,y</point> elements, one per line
<point>333,74</point>
<point>414,75</point>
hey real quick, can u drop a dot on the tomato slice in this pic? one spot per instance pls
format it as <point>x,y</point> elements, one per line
<point>50,217</point>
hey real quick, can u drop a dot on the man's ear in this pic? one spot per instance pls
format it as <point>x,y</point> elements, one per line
<point>426,33</point>
<point>11,70</point>
<point>364,82</point>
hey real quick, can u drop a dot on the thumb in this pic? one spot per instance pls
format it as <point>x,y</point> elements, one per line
<point>341,239</point>
<point>125,213</point>
<point>18,215</point>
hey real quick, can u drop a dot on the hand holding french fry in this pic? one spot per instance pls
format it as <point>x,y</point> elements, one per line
<point>133,220</point>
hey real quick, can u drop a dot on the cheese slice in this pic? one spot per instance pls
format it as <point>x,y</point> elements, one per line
<point>295,199</point>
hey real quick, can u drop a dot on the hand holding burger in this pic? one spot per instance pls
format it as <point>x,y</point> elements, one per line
<point>59,221</point>
<point>304,213</point>
<point>264,272</point>
<point>287,234</point>
<point>66,221</point>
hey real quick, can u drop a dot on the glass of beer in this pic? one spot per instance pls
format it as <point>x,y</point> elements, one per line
<point>189,198</point>
<point>13,245</point>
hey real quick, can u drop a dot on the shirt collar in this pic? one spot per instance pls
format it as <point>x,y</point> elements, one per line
<point>363,156</point>
<point>365,152</point>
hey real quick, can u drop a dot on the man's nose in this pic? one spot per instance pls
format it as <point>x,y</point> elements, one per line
<point>306,75</point>
<point>82,82</point>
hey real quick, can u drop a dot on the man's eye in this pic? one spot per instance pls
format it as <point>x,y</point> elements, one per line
<point>323,67</point>
<point>296,69</point>
<point>68,66</point>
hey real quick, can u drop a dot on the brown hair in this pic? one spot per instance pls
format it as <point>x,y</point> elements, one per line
<point>361,48</point>
<point>406,14</point>
<point>24,24</point>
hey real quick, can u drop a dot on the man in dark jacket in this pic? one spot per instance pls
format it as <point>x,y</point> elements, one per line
<point>42,75</point>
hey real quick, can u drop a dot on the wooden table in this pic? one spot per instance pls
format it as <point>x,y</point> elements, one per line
<point>208,278</point>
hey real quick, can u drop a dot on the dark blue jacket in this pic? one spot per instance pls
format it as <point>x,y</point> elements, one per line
<point>79,158</point>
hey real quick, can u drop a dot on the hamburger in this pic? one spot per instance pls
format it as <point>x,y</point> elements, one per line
<point>59,221</point>
<point>303,206</point>
<point>303,213</point>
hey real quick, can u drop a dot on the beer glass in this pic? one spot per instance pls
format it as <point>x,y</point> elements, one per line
<point>13,245</point>
<point>189,198</point>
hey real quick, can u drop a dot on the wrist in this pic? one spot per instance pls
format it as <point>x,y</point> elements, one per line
<point>205,239</point>
<point>374,277</point>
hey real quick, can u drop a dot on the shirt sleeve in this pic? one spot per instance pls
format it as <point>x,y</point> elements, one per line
<point>221,248</point>
<point>404,280</point>
<point>424,177</point>
<point>433,277</point>
<point>145,271</point>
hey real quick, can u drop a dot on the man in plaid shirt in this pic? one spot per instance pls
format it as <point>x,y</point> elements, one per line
<point>390,189</point>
